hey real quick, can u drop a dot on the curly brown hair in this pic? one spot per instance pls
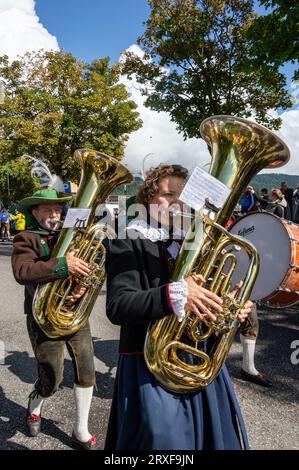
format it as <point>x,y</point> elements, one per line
<point>150,185</point>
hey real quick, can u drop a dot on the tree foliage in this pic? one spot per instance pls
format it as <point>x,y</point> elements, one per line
<point>193,64</point>
<point>16,181</point>
<point>275,36</point>
<point>55,104</point>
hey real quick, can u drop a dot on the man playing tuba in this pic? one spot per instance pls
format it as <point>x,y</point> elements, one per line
<point>32,265</point>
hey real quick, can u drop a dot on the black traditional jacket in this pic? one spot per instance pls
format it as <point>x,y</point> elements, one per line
<point>137,288</point>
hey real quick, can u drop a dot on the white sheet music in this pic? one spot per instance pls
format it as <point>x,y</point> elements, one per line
<point>76,218</point>
<point>202,186</point>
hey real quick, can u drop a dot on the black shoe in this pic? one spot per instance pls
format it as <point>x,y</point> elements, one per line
<point>89,445</point>
<point>33,421</point>
<point>259,379</point>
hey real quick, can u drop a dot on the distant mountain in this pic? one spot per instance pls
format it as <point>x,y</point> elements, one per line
<point>267,180</point>
<point>273,180</point>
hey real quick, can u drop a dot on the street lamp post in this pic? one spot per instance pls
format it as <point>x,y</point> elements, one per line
<point>143,164</point>
<point>8,184</point>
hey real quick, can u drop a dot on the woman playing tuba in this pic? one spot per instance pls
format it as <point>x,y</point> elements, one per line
<point>177,394</point>
<point>145,415</point>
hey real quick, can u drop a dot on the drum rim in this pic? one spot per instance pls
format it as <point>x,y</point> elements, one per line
<point>288,222</point>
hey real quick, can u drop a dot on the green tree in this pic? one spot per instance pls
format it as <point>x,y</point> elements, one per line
<point>55,104</point>
<point>16,181</point>
<point>275,36</point>
<point>192,67</point>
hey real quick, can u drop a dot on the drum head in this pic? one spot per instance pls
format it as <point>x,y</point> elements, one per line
<point>272,241</point>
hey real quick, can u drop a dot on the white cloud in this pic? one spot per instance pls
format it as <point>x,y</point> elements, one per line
<point>20,29</point>
<point>159,137</point>
<point>289,133</point>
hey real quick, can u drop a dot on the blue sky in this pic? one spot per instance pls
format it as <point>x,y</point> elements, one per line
<point>94,28</point>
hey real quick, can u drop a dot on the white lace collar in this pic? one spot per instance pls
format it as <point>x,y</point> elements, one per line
<point>154,234</point>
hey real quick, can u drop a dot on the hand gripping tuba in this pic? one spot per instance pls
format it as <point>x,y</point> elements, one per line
<point>187,356</point>
<point>54,309</point>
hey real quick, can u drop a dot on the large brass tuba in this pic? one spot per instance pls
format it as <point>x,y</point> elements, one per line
<point>177,353</point>
<point>54,309</point>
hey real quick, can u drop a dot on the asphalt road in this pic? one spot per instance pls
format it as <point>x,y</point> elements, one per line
<point>271,415</point>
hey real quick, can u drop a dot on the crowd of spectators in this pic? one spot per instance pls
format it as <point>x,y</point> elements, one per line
<point>283,201</point>
<point>12,222</point>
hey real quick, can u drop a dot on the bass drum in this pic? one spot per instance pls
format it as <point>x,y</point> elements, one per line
<point>277,242</point>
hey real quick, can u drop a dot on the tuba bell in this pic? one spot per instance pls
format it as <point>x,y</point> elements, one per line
<point>179,354</point>
<point>54,309</point>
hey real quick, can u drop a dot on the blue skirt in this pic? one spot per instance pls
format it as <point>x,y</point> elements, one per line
<point>145,416</point>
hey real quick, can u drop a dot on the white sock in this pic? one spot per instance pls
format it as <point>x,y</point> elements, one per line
<point>248,355</point>
<point>35,404</point>
<point>83,396</point>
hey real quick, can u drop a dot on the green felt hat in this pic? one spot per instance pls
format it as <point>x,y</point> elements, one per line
<point>42,196</point>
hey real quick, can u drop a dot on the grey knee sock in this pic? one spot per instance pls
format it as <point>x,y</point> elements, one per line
<point>35,403</point>
<point>83,396</point>
<point>248,355</point>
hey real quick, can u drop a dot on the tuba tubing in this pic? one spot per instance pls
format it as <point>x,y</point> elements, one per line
<point>53,307</point>
<point>179,354</point>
